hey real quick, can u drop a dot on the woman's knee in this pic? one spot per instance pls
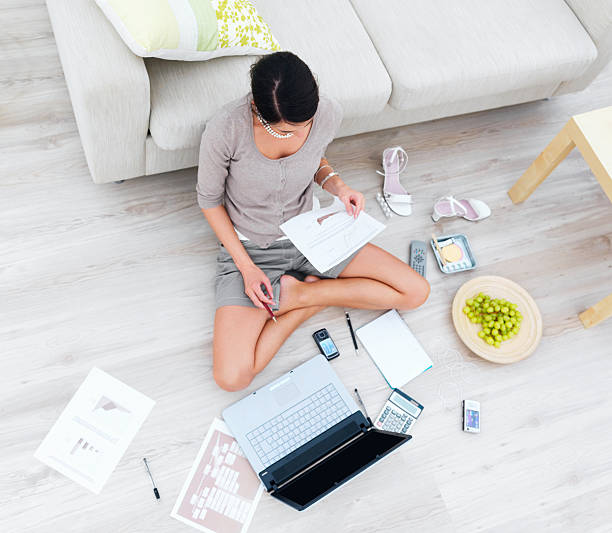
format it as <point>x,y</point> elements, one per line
<point>232,379</point>
<point>415,296</point>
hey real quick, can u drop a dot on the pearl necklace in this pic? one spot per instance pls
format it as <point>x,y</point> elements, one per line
<point>269,129</point>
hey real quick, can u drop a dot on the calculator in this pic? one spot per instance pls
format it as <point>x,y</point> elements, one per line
<point>399,413</point>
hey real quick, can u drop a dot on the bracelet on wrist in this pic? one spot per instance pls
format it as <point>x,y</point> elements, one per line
<point>321,168</point>
<point>330,175</point>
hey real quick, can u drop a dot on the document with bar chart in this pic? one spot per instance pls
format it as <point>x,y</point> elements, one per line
<point>94,430</point>
<point>221,491</point>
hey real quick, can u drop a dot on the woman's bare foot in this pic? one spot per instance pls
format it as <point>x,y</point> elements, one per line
<point>290,289</point>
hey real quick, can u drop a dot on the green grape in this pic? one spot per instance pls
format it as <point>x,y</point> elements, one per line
<point>470,302</point>
<point>490,309</point>
<point>498,337</point>
<point>466,309</point>
<point>473,320</point>
<point>479,299</point>
<point>490,340</point>
<point>497,308</point>
<point>487,331</point>
<point>481,334</point>
<point>504,310</point>
<point>515,330</point>
<point>497,344</point>
<point>505,337</point>
<point>494,332</point>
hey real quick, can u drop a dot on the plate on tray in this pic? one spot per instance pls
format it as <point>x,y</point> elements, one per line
<point>523,344</point>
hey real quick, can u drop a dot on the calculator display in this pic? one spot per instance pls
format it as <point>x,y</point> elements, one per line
<point>405,405</point>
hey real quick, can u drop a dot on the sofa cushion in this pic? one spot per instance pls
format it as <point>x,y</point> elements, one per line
<point>441,51</point>
<point>190,31</point>
<point>185,95</point>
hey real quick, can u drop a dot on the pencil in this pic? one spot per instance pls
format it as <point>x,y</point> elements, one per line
<point>265,291</point>
<point>269,310</point>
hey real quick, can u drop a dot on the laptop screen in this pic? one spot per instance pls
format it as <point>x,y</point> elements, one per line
<point>340,467</point>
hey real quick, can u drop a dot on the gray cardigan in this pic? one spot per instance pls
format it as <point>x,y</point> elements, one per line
<point>260,193</point>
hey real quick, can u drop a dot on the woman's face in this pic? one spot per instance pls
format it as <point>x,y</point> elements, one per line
<point>299,129</point>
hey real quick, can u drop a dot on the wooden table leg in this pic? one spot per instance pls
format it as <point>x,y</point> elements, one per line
<point>599,312</point>
<point>544,164</point>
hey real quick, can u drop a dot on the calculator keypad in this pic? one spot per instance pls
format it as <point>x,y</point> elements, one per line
<point>394,419</point>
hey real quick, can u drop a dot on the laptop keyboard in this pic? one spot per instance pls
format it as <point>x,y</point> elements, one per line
<point>286,432</point>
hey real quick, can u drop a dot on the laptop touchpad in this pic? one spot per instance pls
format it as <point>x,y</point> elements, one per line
<point>286,393</point>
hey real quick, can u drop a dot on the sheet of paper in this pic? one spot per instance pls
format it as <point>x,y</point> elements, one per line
<point>94,430</point>
<point>329,235</point>
<point>221,491</point>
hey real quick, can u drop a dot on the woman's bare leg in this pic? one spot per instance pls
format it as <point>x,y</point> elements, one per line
<point>374,279</point>
<point>245,340</point>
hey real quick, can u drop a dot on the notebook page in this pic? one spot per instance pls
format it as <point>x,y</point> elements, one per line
<point>394,349</point>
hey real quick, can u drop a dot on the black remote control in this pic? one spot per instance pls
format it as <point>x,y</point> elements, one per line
<point>418,256</point>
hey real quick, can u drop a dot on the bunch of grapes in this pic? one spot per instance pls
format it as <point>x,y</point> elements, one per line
<point>500,319</point>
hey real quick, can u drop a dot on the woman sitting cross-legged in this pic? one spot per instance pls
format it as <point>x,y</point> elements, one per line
<point>260,158</point>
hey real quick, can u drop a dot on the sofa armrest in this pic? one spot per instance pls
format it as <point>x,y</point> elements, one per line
<point>109,89</point>
<point>596,17</point>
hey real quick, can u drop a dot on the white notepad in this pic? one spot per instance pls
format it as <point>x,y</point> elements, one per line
<point>394,349</point>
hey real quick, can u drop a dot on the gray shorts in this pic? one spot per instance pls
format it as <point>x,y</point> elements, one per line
<point>280,257</point>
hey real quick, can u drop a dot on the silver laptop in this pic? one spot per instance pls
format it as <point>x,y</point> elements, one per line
<point>305,435</point>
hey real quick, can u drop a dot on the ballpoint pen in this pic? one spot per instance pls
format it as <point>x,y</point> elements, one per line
<point>155,491</point>
<point>350,325</point>
<point>365,412</point>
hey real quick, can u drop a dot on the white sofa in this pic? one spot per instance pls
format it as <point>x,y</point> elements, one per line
<point>388,62</point>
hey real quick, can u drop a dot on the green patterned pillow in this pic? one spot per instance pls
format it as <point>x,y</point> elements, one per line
<point>190,30</point>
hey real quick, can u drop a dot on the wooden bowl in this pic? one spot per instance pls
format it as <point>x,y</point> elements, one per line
<point>520,346</point>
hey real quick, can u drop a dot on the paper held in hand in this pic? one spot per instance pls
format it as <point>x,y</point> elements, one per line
<point>329,235</point>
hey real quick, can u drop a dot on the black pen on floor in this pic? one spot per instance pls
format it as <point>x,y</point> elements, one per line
<point>348,321</point>
<point>155,491</point>
<point>365,412</point>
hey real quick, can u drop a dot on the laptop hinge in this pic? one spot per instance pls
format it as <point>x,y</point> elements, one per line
<point>309,467</point>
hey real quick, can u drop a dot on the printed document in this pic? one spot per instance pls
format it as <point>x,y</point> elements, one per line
<point>94,430</point>
<point>329,235</point>
<point>221,491</point>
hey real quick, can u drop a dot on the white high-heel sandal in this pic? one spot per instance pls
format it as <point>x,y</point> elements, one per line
<point>394,162</point>
<point>468,208</point>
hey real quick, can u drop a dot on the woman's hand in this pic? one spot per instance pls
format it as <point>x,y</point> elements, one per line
<point>254,278</point>
<point>353,200</point>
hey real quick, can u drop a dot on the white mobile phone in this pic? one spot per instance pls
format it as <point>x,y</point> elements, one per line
<point>471,416</point>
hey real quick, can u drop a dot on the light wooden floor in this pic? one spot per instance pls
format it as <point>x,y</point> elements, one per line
<point>120,277</point>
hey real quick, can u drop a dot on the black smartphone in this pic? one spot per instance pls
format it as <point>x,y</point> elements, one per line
<point>326,344</point>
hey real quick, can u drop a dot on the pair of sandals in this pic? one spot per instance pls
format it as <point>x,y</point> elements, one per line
<point>399,201</point>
